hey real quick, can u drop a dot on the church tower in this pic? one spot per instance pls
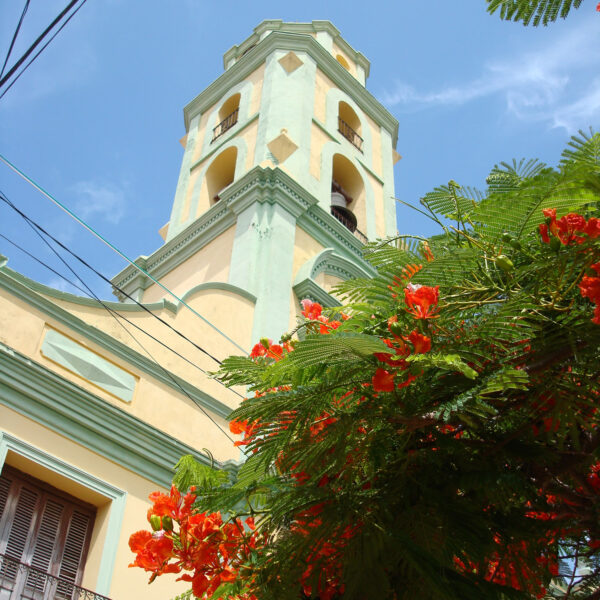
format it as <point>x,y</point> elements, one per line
<point>287,173</point>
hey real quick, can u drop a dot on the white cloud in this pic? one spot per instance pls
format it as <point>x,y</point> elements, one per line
<point>536,86</point>
<point>99,200</point>
<point>60,284</point>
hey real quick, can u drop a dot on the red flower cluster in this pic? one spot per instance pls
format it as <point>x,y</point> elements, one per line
<point>421,300</point>
<point>185,540</point>
<point>590,288</point>
<point>566,228</point>
<point>312,311</point>
<point>266,348</point>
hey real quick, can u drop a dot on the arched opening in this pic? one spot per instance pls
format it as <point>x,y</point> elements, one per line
<point>349,124</point>
<point>228,116</point>
<point>347,194</point>
<point>220,173</point>
<point>342,61</point>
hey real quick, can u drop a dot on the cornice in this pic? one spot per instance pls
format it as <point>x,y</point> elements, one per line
<point>235,52</point>
<point>44,396</point>
<point>278,40</point>
<point>257,185</point>
<point>109,343</point>
<point>308,288</point>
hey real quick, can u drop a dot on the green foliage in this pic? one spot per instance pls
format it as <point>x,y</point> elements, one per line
<point>532,11</point>
<point>189,472</point>
<point>457,465</point>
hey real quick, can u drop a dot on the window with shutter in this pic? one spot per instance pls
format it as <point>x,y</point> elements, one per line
<point>44,535</point>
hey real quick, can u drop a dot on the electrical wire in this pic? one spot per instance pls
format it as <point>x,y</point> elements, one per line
<point>14,38</point>
<point>86,293</point>
<point>147,352</point>
<point>104,278</point>
<point>115,249</point>
<point>33,46</point>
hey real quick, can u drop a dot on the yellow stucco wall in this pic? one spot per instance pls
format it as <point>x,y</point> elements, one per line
<point>211,263</point>
<point>327,282</point>
<point>155,403</point>
<point>318,139</point>
<point>126,583</point>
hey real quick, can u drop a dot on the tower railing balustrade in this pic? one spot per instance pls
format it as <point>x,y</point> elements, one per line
<point>227,123</point>
<point>348,224</point>
<point>19,581</point>
<point>350,134</point>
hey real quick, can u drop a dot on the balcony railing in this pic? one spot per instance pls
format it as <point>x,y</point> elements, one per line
<point>350,134</point>
<point>348,224</point>
<point>19,581</point>
<point>227,123</point>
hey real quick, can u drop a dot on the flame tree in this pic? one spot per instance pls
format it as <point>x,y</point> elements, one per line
<point>439,438</point>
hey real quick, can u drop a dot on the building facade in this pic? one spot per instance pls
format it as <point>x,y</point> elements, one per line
<point>287,172</point>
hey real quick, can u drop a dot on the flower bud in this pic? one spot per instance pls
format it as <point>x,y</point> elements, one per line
<point>507,238</point>
<point>167,523</point>
<point>155,522</point>
<point>516,244</point>
<point>505,263</point>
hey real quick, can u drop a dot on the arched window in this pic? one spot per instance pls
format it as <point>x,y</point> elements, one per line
<point>342,62</point>
<point>349,125</point>
<point>220,174</point>
<point>347,195</point>
<point>228,116</point>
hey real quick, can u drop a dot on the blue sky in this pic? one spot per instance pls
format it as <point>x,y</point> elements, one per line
<point>97,118</point>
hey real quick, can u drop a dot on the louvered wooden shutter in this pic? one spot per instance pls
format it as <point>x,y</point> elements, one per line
<point>43,529</point>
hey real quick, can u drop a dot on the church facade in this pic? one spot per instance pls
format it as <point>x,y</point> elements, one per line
<point>287,172</point>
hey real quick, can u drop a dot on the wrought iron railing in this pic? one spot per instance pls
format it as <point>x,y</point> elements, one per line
<point>348,224</point>
<point>19,581</point>
<point>227,123</point>
<point>350,134</point>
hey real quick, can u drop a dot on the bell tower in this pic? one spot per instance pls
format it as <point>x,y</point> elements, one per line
<point>287,172</point>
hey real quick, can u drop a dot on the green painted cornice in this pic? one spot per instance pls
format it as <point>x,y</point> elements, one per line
<point>278,40</point>
<point>308,288</point>
<point>62,406</point>
<point>297,28</point>
<point>257,185</point>
<point>109,343</point>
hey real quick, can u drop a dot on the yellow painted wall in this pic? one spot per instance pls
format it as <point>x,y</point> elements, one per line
<point>126,583</point>
<point>327,281</point>
<point>155,403</point>
<point>211,263</point>
<point>351,66</point>
<point>322,85</point>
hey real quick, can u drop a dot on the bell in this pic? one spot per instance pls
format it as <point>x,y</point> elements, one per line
<point>338,199</point>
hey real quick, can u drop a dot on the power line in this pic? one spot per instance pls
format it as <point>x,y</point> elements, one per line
<point>115,316</point>
<point>115,249</point>
<point>14,39</point>
<point>83,291</point>
<point>104,278</point>
<point>38,41</point>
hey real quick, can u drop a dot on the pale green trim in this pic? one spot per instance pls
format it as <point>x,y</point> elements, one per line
<point>231,133</point>
<point>109,343</point>
<point>116,496</point>
<point>220,285</point>
<point>45,290</point>
<point>327,261</point>
<point>326,131</point>
<point>88,365</point>
<point>316,26</point>
<point>308,288</point>
<point>257,185</point>
<point>299,43</point>
<point>62,406</point>
<point>371,172</point>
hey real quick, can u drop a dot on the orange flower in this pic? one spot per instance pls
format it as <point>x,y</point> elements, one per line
<point>421,300</point>
<point>421,343</point>
<point>383,381</point>
<point>311,310</point>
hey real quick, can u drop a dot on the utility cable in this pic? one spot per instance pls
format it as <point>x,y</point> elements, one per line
<point>115,249</point>
<point>38,41</point>
<point>15,35</point>
<point>165,371</point>
<point>104,278</point>
<point>85,292</point>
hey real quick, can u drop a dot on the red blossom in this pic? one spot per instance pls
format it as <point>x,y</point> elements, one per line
<point>311,310</point>
<point>383,381</point>
<point>421,343</point>
<point>421,300</point>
